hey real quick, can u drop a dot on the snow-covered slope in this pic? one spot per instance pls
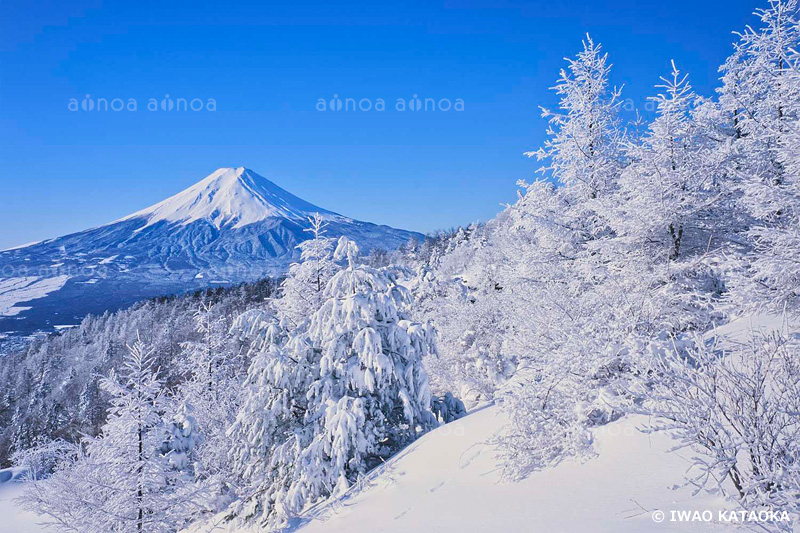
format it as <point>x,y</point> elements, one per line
<point>15,290</point>
<point>13,519</point>
<point>450,481</point>
<point>232,226</point>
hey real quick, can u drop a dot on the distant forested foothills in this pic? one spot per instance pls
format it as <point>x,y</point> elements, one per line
<point>51,387</point>
<point>598,294</point>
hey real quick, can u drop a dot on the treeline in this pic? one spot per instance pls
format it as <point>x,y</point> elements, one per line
<point>51,387</point>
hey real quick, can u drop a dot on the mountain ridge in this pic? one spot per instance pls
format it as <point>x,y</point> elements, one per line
<point>231,195</point>
<point>231,226</point>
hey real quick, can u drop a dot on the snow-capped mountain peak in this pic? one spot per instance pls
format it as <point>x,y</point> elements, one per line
<point>231,226</point>
<point>233,197</point>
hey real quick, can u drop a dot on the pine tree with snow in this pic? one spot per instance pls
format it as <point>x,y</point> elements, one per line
<point>270,428</point>
<point>370,351</point>
<point>181,440</point>
<point>303,287</point>
<point>336,398</point>
<point>256,329</point>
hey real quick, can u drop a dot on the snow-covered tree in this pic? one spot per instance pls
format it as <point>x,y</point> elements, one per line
<point>336,398</point>
<point>207,356</point>
<point>773,274</point>
<point>369,349</point>
<point>555,309</point>
<point>122,480</point>
<point>583,149</point>
<point>256,329</point>
<point>447,408</point>
<point>269,428</point>
<point>757,93</point>
<point>208,400</point>
<point>303,287</point>
<point>664,189</point>
<point>41,459</point>
<point>735,406</point>
<point>181,439</point>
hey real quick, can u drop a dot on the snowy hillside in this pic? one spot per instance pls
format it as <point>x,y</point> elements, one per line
<point>232,226</point>
<point>451,478</point>
<point>449,481</point>
<point>15,520</point>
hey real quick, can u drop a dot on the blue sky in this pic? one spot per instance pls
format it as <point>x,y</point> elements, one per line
<point>266,65</point>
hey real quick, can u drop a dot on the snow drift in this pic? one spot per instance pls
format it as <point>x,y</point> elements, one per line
<point>450,481</point>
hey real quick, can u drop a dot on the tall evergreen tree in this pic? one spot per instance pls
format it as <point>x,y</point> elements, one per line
<point>123,479</point>
<point>583,149</point>
<point>336,398</point>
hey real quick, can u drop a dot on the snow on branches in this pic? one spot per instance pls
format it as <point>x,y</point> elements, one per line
<point>335,398</point>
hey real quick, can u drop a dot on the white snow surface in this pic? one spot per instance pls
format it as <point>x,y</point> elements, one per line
<point>737,332</point>
<point>21,246</point>
<point>13,519</point>
<point>231,196</point>
<point>450,481</point>
<point>22,289</point>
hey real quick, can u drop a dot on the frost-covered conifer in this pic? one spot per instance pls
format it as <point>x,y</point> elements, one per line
<point>583,149</point>
<point>122,480</point>
<point>181,440</point>
<point>303,287</point>
<point>336,398</point>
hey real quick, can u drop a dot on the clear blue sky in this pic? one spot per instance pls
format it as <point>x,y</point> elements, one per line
<point>266,64</point>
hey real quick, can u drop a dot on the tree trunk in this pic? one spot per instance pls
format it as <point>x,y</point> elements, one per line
<point>677,236</point>
<point>140,489</point>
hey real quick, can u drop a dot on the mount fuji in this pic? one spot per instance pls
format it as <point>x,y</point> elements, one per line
<point>231,226</point>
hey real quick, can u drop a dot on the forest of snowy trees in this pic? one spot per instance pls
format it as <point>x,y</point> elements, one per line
<point>52,387</point>
<point>595,295</point>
